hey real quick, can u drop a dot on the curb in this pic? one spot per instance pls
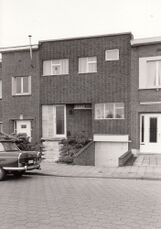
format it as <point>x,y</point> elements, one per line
<point>94,177</point>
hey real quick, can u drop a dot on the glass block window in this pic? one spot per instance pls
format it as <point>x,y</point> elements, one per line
<point>112,54</point>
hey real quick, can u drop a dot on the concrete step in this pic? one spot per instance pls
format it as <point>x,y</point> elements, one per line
<point>51,150</point>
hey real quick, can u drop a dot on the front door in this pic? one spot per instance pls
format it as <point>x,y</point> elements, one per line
<point>23,127</point>
<point>53,121</point>
<point>150,133</point>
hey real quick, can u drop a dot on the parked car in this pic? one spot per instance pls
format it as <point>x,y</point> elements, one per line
<point>16,162</point>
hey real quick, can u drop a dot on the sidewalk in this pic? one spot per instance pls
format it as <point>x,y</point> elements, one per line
<point>127,172</point>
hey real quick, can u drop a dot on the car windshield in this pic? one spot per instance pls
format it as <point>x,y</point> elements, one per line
<point>8,146</point>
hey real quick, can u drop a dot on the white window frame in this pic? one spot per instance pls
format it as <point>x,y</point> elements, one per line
<point>53,110</point>
<point>114,111</point>
<point>88,61</point>
<point>143,71</point>
<point>108,51</point>
<point>14,86</point>
<point>0,89</point>
<point>57,64</point>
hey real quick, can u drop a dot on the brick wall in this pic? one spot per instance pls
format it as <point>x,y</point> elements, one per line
<point>79,121</point>
<point>86,156</point>
<point>19,64</point>
<point>137,96</point>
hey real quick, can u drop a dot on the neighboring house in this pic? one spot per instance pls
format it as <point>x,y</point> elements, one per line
<point>20,91</point>
<point>146,95</point>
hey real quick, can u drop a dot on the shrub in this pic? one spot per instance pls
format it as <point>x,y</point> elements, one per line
<point>23,143</point>
<point>71,146</point>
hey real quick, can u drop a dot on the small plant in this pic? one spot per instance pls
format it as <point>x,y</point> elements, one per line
<point>71,146</point>
<point>23,143</point>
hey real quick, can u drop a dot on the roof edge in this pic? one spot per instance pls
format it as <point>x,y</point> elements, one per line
<point>145,41</point>
<point>86,37</point>
<point>18,48</point>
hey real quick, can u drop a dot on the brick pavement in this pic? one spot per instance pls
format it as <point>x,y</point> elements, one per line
<point>49,202</point>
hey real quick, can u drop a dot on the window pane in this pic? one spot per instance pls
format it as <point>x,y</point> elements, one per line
<point>92,64</point>
<point>60,66</point>
<point>159,73</point>
<point>82,65</point>
<point>142,129</point>
<point>47,121</point>
<point>59,120</point>
<point>112,54</point>
<point>119,110</point>
<point>153,130</point>
<point>87,64</point>
<point>92,67</point>
<point>151,74</point>
<point>56,69</point>
<point>109,110</point>
<point>47,67</point>
<point>1,147</point>
<point>99,111</point>
<point>25,85</point>
<point>18,85</point>
<point>1,127</point>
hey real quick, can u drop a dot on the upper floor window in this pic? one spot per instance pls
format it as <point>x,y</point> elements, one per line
<point>56,67</point>
<point>87,64</point>
<point>0,89</point>
<point>21,85</point>
<point>109,111</point>
<point>112,54</point>
<point>150,72</point>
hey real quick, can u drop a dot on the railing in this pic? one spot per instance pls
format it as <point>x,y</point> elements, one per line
<point>86,156</point>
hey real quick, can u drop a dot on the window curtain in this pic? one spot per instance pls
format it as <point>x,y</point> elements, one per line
<point>47,121</point>
<point>82,65</point>
<point>47,67</point>
<point>151,74</point>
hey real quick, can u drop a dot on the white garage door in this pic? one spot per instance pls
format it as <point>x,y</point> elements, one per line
<point>107,153</point>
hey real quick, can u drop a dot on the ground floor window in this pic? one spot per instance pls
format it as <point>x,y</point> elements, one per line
<point>53,121</point>
<point>109,111</point>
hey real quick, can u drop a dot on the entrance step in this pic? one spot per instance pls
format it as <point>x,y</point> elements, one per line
<point>51,150</point>
<point>150,160</point>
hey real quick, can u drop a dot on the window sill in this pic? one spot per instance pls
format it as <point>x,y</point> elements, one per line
<point>65,74</point>
<point>83,73</point>
<point>21,95</point>
<point>152,88</point>
<point>110,119</point>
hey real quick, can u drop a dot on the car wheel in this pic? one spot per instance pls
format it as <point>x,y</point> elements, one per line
<point>18,174</point>
<point>2,174</point>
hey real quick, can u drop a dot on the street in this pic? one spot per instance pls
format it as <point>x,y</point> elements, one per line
<point>50,202</point>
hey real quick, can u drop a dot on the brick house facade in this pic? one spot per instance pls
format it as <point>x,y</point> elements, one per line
<point>20,102</point>
<point>146,95</point>
<point>107,85</point>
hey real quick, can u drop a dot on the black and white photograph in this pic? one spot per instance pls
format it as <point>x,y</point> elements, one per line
<point>80,114</point>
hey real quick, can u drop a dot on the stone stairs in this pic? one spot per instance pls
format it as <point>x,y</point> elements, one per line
<point>51,150</point>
